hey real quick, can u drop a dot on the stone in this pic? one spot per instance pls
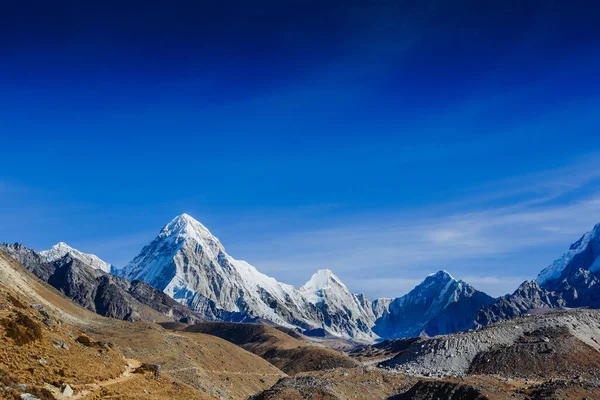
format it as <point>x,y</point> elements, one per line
<point>67,391</point>
<point>59,344</point>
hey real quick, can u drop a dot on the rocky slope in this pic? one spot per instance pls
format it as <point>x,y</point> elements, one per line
<point>528,346</point>
<point>99,291</point>
<point>440,304</point>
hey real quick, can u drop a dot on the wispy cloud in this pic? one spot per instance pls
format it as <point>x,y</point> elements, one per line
<point>383,254</point>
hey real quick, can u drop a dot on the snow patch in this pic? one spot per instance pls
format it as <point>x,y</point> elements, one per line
<point>554,270</point>
<point>61,249</point>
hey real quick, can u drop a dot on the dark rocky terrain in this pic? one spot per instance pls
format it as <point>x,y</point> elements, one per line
<point>98,291</point>
<point>439,305</point>
<point>528,296</point>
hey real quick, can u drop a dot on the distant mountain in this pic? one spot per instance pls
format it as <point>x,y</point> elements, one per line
<point>439,305</point>
<point>573,280</point>
<point>191,265</point>
<point>338,307</point>
<point>61,249</point>
<point>527,297</point>
<point>99,291</point>
<point>186,266</point>
<point>576,275</point>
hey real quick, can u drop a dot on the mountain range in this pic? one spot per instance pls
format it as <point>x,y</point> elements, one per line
<point>185,273</point>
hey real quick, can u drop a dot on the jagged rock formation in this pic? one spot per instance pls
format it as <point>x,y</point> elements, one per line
<point>30,259</point>
<point>440,304</point>
<point>527,297</point>
<point>99,291</point>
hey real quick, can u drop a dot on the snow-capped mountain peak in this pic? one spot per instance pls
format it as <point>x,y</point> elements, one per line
<point>322,279</point>
<point>60,249</point>
<point>185,226</point>
<point>554,270</point>
<point>441,275</point>
<point>189,264</point>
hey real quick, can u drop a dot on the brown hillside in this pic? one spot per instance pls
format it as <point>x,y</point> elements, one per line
<point>193,365</point>
<point>288,353</point>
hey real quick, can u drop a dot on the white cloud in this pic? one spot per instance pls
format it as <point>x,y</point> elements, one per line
<point>383,253</point>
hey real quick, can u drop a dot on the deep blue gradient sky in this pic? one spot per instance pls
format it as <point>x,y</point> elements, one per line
<point>383,140</point>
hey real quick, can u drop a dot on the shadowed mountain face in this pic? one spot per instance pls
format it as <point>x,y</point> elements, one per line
<point>440,304</point>
<point>571,281</point>
<point>527,297</point>
<point>98,291</point>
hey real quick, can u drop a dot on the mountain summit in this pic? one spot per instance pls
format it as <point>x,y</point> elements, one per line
<point>191,265</point>
<point>322,279</point>
<point>440,304</point>
<point>61,249</point>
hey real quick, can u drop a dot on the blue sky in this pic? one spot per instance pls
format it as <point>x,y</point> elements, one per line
<point>383,141</point>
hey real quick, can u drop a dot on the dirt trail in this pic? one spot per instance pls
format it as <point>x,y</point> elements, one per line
<point>91,388</point>
<point>221,371</point>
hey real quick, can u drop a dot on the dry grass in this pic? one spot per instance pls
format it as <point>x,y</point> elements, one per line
<point>276,346</point>
<point>22,329</point>
<point>15,302</point>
